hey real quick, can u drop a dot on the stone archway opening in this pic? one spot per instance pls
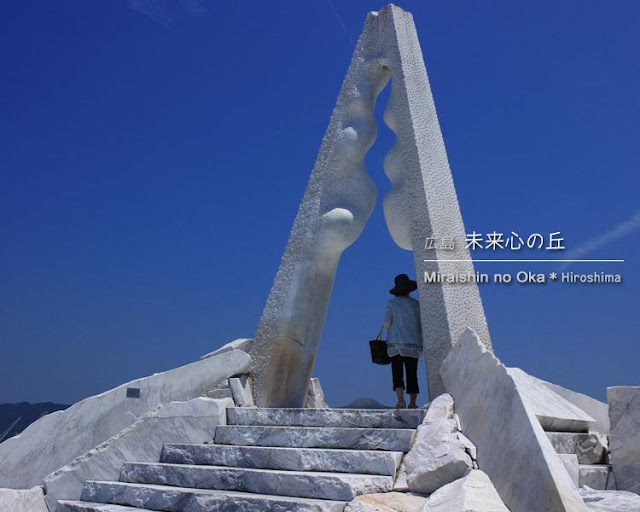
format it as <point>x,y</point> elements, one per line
<point>338,201</point>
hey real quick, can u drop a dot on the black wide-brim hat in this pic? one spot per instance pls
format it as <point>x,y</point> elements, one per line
<point>404,285</point>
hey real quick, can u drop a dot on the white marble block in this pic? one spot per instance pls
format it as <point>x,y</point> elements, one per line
<point>243,344</point>
<point>23,500</point>
<point>437,457</point>
<point>474,492</point>
<point>512,447</point>
<point>553,412</point>
<point>315,396</point>
<point>241,391</point>
<point>441,408</point>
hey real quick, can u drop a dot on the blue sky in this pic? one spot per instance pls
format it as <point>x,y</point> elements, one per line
<point>153,155</point>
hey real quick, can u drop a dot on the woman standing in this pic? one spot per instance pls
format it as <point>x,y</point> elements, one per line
<point>404,339</point>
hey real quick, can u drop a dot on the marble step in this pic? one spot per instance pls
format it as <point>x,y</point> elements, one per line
<point>177,499</point>
<point>594,476</point>
<point>301,459</point>
<point>590,447</point>
<point>302,484</point>
<point>395,440</point>
<point>87,506</point>
<point>353,418</point>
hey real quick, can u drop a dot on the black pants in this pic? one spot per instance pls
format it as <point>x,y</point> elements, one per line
<point>411,365</point>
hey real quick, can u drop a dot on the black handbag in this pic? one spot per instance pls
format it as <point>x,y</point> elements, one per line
<point>379,350</point>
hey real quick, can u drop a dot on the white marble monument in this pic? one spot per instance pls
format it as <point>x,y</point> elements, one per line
<point>339,198</point>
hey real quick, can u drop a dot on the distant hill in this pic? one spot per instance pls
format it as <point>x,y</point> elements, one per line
<point>365,403</point>
<point>14,418</point>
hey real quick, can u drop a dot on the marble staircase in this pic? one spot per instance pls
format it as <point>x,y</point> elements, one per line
<point>311,460</point>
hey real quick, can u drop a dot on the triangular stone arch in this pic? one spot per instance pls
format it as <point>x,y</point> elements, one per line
<point>338,201</point>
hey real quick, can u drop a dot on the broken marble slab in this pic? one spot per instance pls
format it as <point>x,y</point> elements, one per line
<point>440,408</point>
<point>610,501</point>
<point>396,440</point>
<point>315,395</point>
<point>437,457</point>
<point>624,443</point>
<point>303,484</point>
<point>23,500</point>
<point>499,421</point>
<point>193,421</point>
<point>473,492</point>
<point>58,438</point>
<point>336,418</point>
<point>243,344</point>
<point>301,459</point>
<point>387,502</point>
<point>161,497</point>
<point>553,412</point>
<point>598,410</point>
<point>241,391</point>
<point>591,448</point>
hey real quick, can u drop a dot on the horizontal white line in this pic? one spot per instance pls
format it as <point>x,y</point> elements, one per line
<point>538,261</point>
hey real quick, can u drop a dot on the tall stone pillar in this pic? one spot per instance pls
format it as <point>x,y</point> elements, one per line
<point>338,201</point>
<point>422,202</point>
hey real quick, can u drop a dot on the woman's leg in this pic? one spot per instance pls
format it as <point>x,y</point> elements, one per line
<point>398,382</point>
<point>411,365</point>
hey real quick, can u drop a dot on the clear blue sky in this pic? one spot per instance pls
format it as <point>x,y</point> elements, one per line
<point>153,155</point>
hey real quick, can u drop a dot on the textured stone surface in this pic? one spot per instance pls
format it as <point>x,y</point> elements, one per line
<point>598,410</point>
<point>312,484</point>
<point>56,439</point>
<point>338,200</point>
<point>590,448</point>
<point>570,461</point>
<point>192,421</point>
<point>553,412</point>
<point>302,459</point>
<point>441,408</point>
<point>22,500</point>
<point>437,457</point>
<point>624,414</point>
<point>610,501</point>
<point>315,395</point>
<point>241,391</point>
<point>398,440</point>
<point>472,493</point>
<point>156,497</point>
<point>407,418</point>
<point>243,344</point>
<point>594,476</point>
<point>495,418</point>
<point>386,502</point>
